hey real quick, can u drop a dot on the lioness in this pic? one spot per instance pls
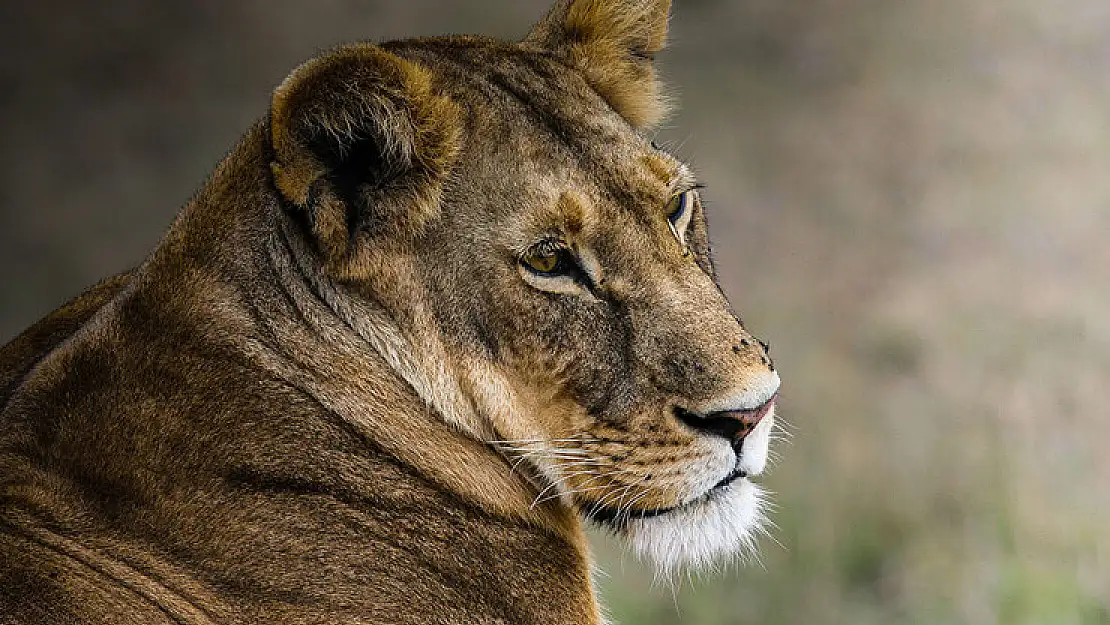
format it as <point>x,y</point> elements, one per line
<point>442,304</point>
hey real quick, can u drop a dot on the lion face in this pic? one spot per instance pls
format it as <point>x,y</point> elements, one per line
<point>582,291</point>
<point>555,260</point>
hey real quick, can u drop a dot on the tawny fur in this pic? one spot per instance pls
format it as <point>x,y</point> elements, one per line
<point>335,393</point>
<point>613,44</point>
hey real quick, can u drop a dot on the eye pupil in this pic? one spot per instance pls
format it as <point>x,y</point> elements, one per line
<point>678,217</point>
<point>542,262</point>
<point>676,207</point>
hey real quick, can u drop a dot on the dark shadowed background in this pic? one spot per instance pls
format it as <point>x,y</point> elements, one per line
<point>910,198</point>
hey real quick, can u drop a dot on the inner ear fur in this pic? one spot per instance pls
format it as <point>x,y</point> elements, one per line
<point>613,43</point>
<point>362,143</point>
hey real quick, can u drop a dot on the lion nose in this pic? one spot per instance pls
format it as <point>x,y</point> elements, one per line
<point>732,425</point>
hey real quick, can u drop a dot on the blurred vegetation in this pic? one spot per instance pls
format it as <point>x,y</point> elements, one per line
<point>910,199</point>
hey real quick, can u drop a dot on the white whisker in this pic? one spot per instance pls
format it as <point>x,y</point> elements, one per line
<point>555,483</point>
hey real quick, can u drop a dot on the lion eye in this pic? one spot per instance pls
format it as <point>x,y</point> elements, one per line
<point>676,207</point>
<point>552,266</point>
<point>678,214</point>
<point>544,262</point>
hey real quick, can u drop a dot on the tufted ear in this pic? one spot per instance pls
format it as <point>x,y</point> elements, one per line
<point>613,43</point>
<point>362,144</point>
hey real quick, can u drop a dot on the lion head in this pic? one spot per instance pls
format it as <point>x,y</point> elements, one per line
<point>494,218</point>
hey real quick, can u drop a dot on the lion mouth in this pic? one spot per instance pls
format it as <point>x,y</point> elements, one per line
<point>618,518</point>
<point>736,474</point>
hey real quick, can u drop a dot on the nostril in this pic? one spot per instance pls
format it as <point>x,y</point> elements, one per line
<point>733,425</point>
<point>715,424</point>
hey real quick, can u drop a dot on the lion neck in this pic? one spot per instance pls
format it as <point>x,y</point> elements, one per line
<point>390,377</point>
<point>353,358</point>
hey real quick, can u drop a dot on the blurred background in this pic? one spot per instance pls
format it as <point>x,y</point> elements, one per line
<point>910,199</point>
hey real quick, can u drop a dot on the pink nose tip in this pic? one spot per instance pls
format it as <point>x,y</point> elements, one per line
<point>748,419</point>
<point>733,425</point>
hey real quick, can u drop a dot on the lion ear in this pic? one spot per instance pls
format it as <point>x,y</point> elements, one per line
<point>613,43</point>
<point>362,143</point>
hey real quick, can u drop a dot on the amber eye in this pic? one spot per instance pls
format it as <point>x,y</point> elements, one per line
<point>543,261</point>
<point>676,207</point>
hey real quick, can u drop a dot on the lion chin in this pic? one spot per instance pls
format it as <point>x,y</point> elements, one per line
<point>713,529</point>
<point>720,525</point>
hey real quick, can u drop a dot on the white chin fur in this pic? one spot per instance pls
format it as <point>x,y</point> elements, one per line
<point>702,534</point>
